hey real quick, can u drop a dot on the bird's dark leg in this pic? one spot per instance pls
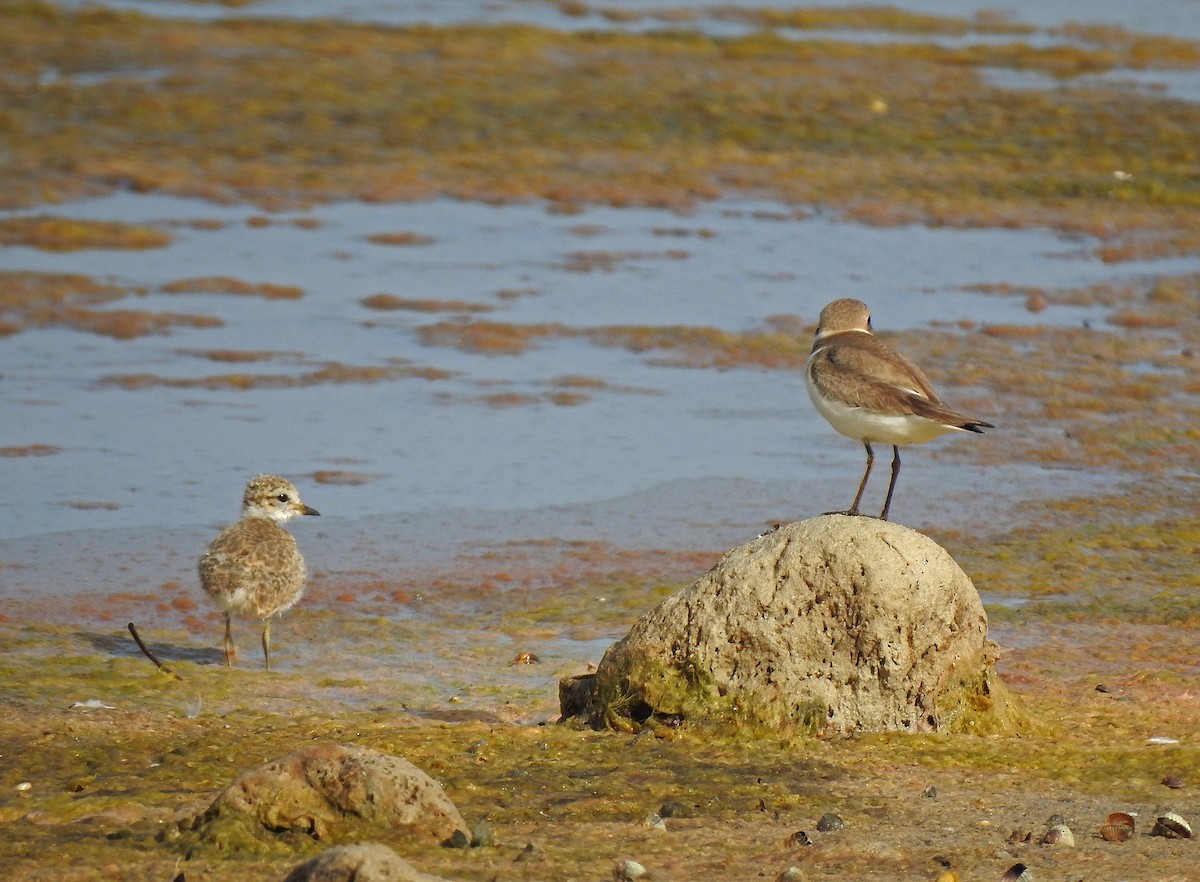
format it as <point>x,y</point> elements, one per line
<point>887,503</point>
<point>862,485</point>
<point>267,642</point>
<point>230,649</point>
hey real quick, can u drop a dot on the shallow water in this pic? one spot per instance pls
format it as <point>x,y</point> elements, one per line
<point>659,456</point>
<point>1177,17</point>
<point>430,473</point>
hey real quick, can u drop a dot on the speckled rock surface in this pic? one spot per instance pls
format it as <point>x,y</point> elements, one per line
<point>834,624</point>
<point>323,794</point>
<point>366,862</point>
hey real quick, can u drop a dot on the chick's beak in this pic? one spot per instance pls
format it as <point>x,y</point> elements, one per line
<point>306,510</point>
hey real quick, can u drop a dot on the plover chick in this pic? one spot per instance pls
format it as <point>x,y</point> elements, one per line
<point>870,392</point>
<point>253,568</point>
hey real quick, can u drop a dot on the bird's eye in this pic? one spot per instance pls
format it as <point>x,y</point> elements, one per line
<point>282,497</point>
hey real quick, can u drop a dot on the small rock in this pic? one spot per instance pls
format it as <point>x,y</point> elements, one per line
<point>791,874</point>
<point>457,839</point>
<point>627,871</point>
<point>482,835</point>
<point>930,792</point>
<point>799,838</point>
<point>366,862</point>
<point>673,809</point>
<point>326,792</point>
<point>830,822</point>
<point>527,853</point>
<point>1173,782</point>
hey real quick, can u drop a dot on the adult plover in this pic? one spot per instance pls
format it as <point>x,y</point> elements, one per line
<point>253,568</point>
<point>870,392</point>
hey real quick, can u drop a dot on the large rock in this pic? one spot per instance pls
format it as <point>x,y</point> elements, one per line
<point>368,862</point>
<point>323,794</point>
<point>835,624</point>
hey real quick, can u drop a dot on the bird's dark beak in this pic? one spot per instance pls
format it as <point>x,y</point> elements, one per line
<point>309,511</point>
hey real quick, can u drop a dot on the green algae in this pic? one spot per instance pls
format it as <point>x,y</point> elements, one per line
<point>1132,559</point>
<point>635,692</point>
<point>135,778</point>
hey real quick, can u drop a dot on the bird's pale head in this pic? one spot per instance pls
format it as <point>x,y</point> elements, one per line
<point>273,498</point>
<point>844,315</point>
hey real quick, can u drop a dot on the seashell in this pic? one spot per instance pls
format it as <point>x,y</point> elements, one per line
<point>1172,826</point>
<point>1172,781</point>
<point>1059,834</point>
<point>1121,819</point>
<point>1117,827</point>
<point>1115,832</point>
<point>948,876</point>
<point>1017,873</point>
<point>525,658</point>
<point>799,838</point>
<point>627,871</point>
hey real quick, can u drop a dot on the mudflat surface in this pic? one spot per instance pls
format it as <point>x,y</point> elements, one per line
<point>539,366</point>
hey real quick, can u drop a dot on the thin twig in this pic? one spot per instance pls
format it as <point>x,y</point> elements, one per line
<point>150,655</point>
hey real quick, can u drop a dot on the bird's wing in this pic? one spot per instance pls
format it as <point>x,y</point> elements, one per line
<point>863,371</point>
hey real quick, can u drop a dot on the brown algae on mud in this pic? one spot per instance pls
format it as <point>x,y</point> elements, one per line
<point>41,300</point>
<point>283,112</point>
<point>71,234</point>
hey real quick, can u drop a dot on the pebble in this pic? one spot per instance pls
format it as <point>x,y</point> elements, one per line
<point>673,809</point>
<point>627,871</point>
<point>830,822</point>
<point>482,835</point>
<point>655,822</point>
<point>1017,873</point>
<point>526,853</point>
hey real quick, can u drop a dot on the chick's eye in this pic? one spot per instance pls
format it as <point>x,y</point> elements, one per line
<point>282,497</point>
